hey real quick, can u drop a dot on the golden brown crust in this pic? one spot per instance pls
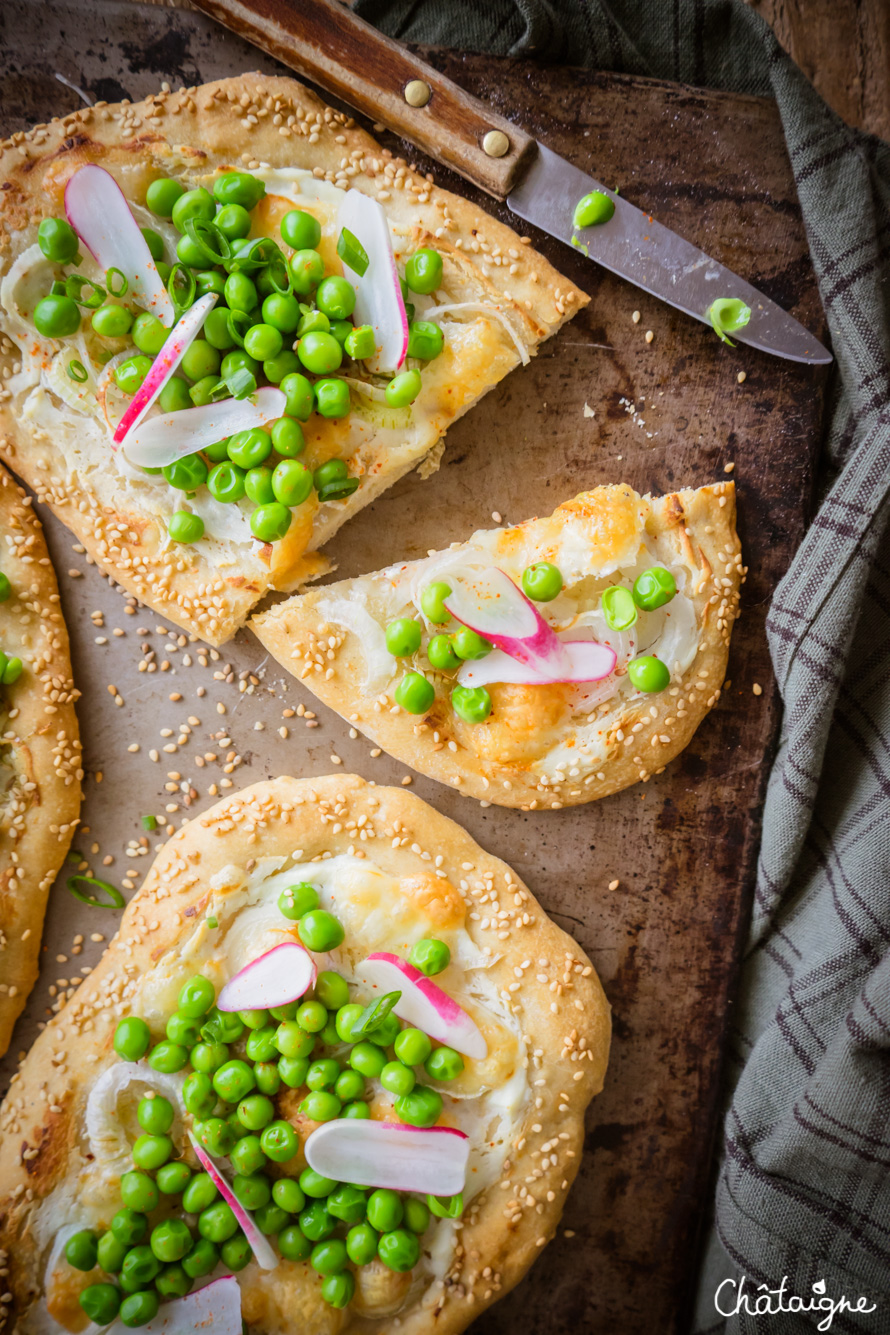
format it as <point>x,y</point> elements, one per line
<point>192,133</point>
<point>498,764</point>
<point>553,992</point>
<point>40,800</point>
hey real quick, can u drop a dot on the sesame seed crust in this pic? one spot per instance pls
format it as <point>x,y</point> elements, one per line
<point>633,740</point>
<point>39,745</point>
<point>540,972</point>
<point>249,122</point>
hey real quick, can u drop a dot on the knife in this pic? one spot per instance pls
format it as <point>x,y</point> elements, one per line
<point>328,44</point>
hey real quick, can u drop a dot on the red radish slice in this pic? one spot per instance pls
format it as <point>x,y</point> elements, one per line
<point>217,1306</point>
<point>180,339</point>
<point>262,1248</point>
<point>387,1154</point>
<point>164,439</point>
<point>281,975</point>
<point>378,296</point>
<point>99,213</point>
<point>490,603</point>
<point>586,660</point>
<point>423,1003</point>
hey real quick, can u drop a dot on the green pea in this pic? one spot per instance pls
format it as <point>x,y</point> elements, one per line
<point>217,1223</point>
<point>292,1040</point>
<point>253,1191</point>
<point>203,390</point>
<point>361,1244</point>
<point>5,588</point>
<point>441,655</point>
<point>293,1243</point>
<point>112,321</point>
<point>446,1207</point>
<point>423,272</point>
<point>331,478</point>
<point>247,1156</point>
<point>237,1128</point>
<point>57,239</point>
<point>185,527</point>
<point>101,1302</point>
<point>131,1038</point>
<point>256,1111</point>
<point>238,188</point>
<point>338,1290</point>
<point>151,1151</point>
<point>172,1178</point>
<point>154,242</point>
<point>271,1218</point>
<point>200,360</point>
<point>81,1249</point>
<point>368,1059</point>
<point>162,194</point>
<point>194,204</point>
<point>234,1081</point>
<point>357,1109</point>
<point>139,1192</point>
<point>619,608</point>
<point>472,704</point>
<point>255,1019</point>
<point>203,1258</point>
<point>233,221</point>
<point>171,1240</point>
<point>654,588</point>
<point>414,693</point>
<point>129,375</point>
<point>110,1253</point>
<point>314,322</point>
<point>262,341</point>
<point>314,1185</point>
<point>129,1226</point>
<point>149,334</point>
<point>542,581</point>
<point>413,1047</point>
<point>306,269</point>
<point>196,997</point>
<point>209,1057</point>
<point>173,1282</point>
<point>593,209</point>
<point>57,317</point>
<point>360,342</point>
<point>12,670</point>
<point>297,900</point>
<point>175,395</point>
<point>250,448</point>
<point>218,452</point>
<point>321,931</point>
<point>280,1141</point>
<point>223,1027</point>
<point>216,330</point>
<point>300,230</point>
<point>323,1074</point>
<point>403,389</point>
<point>167,1057</point>
<point>649,674</point>
<point>183,1029</point>
<point>281,311</point>
<point>291,482</point>
<point>419,1108</point>
<point>321,1106</point>
<point>300,396</point>
<point>276,369</point>
<point>236,1252</point>
<point>399,1250</point>
<point>385,1209</point>
<point>330,1257</point>
<point>397,1078</point>
<point>198,1094</point>
<point>319,352</point>
<point>430,956</point>
<point>258,485</point>
<point>347,1017</point>
<point>403,637</point>
<point>331,989</point>
<point>268,1077</point>
<point>417,1215</point>
<point>311,1015</point>
<point>209,280</point>
<point>226,482</point>
<point>432,602</point>
<point>240,292</point>
<point>316,1222</point>
<point>269,523</point>
<point>444,1064</point>
<point>468,644</point>
<point>335,298</point>
<point>199,1194</point>
<point>425,340</point>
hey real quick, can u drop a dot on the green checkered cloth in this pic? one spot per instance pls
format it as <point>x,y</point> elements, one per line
<point>803,1188</point>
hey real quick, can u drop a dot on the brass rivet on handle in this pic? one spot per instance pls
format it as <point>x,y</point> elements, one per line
<point>496,144</point>
<point>417,93</point>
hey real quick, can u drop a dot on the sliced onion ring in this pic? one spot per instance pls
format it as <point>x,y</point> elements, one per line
<point>423,1003</point>
<point>179,340</point>
<point>378,295</point>
<point>162,440</point>
<point>97,209</point>
<point>276,978</point>
<point>216,1307</point>
<point>586,660</point>
<point>262,1249</point>
<point>429,1160</point>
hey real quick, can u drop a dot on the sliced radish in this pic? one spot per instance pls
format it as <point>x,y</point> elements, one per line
<point>281,975</point>
<point>180,339</point>
<point>262,1248</point>
<point>423,1003</point>
<point>217,1306</point>
<point>585,660</point>
<point>388,1154</point>
<point>490,603</point>
<point>98,211</point>
<point>378,296</point>
<point>162,440</point>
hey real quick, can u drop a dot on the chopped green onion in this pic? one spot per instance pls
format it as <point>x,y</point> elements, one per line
<point>58,289</point>
<point>352,252</point>
<point>182,287</point>
<point>242,383</point>
<point>74,286</point>
<point>149,823</point>
<point>78,371</point>
<point>212,922</point>
<point>122,286</point>
<point>373,1016</point>
<point>727,314</point>
<point>209,240</point>
<point>74,856</point>
<point>263,253</point>
<point>232,319</point>
<point>115,899</point>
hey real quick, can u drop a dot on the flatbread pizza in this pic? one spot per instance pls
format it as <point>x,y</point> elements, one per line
<point>40,759</point>
<point>536,666</point>
<point>336,1052</point>
<point>228,320</point>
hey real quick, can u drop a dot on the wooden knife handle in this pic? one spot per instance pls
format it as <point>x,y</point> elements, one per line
<point>324,41</point>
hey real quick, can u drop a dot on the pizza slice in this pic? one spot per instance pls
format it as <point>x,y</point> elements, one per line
<point>536,666</point>
<point>228,320</point>
<point>40,759</point>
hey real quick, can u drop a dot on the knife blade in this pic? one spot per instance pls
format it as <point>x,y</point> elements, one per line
<point>324,41</point>
<point>652,257</point>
